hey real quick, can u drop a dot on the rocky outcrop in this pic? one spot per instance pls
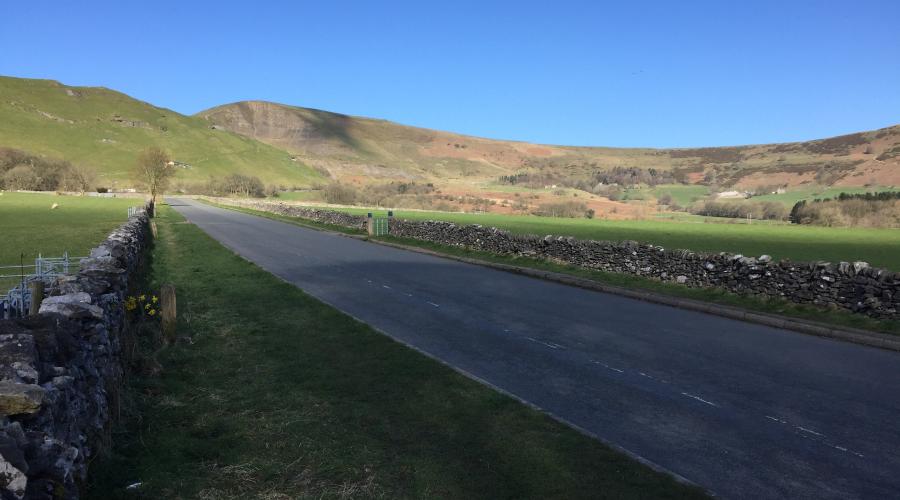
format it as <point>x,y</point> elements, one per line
<point>855,286</point>
<point>60,372</point>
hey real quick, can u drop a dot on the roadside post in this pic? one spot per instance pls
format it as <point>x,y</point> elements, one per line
<point>370,224</point>
<point>36,288</point>
<point>168,312</point>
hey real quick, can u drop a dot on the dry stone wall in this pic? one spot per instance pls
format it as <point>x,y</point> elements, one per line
<point>325,216</point>
<point>855,286</point>
<point>60,372</point>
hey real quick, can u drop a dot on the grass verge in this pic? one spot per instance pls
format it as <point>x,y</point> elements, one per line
<point>280,396</point>
<point>769,306</point>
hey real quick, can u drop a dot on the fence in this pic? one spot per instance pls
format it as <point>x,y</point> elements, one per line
<point>16,302</point>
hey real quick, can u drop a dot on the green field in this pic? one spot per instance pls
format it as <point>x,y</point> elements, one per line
<point>277,396</point>
<point>29,226</point>
<point>682,194</point>
<point>879,247</point>
<point>793,196</point>
<point>81,125</point>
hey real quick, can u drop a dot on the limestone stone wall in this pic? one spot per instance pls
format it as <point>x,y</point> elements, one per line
<point>324,216</point>
<point>60,372</point>
<point>855,286</point>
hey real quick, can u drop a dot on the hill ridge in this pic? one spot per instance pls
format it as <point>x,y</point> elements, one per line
<point>360,147</point>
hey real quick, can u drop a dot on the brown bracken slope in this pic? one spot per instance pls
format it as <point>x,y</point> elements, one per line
<point>356,148</point>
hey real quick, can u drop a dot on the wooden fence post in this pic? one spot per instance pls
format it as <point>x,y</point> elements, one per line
<point>168,312</point>
<point>37,296</point>
<point>153,228</point>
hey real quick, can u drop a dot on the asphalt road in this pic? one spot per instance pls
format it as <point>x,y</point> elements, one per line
<point>743,410</point>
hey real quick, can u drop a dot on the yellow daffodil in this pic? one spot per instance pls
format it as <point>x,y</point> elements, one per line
<point>155,299</point>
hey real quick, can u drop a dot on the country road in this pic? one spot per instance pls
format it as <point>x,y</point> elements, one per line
<point>743,410</point>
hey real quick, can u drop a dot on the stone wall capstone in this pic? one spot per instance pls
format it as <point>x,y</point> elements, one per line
<point>855,286</point>
<point>60,372</point>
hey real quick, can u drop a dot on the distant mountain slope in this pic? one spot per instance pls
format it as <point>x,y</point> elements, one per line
<point>356,148</point>
<point>107,129</point>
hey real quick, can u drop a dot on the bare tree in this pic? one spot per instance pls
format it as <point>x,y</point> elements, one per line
<point>78,178</point>
<point>154,169</point>
<point>20,177</point>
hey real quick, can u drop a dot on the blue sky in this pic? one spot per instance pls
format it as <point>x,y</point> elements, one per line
<point>663,74</point>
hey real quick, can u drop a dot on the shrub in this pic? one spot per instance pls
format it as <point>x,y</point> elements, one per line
<point>768,210</point>
<point>340,194</point>
<point>570,209</point>
<point>849,210</point>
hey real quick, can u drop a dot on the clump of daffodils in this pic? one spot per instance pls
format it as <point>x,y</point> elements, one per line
<point>142,305</point>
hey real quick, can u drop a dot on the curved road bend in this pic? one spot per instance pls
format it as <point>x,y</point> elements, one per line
<point>744,410</point>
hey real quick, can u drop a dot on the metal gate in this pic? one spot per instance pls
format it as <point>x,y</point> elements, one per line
<point>380,226</point>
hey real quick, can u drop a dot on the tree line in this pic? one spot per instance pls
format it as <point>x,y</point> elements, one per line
<point>24,171</point>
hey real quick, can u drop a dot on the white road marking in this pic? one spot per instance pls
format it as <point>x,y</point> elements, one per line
<point>385,286</point>
<point>409,295</point>
<point>804,429</point>
<point>432,303</point>
<point>698,398</point>
<point>604,365</point>
<point>820,438</point>
<point>551,345</point>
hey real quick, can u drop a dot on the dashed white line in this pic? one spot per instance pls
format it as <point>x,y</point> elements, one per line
<point>432,303</point>
<point>698,398</point>
<point>804,429</point>
<point>604,365</point>
<point>551,345</point>
<point>385,286</point>
<point>820,438</point>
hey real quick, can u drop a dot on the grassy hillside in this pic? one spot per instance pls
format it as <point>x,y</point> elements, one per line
<point>105,129</point>
<point>356,149</point>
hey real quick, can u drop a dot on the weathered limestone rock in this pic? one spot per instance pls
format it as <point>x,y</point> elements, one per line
<point>17,398</point>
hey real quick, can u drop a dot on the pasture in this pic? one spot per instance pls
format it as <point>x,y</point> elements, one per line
<point>878,247</point>
<point>28,225</point>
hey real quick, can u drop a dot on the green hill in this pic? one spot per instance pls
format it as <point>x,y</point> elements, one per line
<point>106,130</point>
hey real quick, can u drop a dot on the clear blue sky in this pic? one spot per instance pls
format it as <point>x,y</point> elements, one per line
<point>667,73</point>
